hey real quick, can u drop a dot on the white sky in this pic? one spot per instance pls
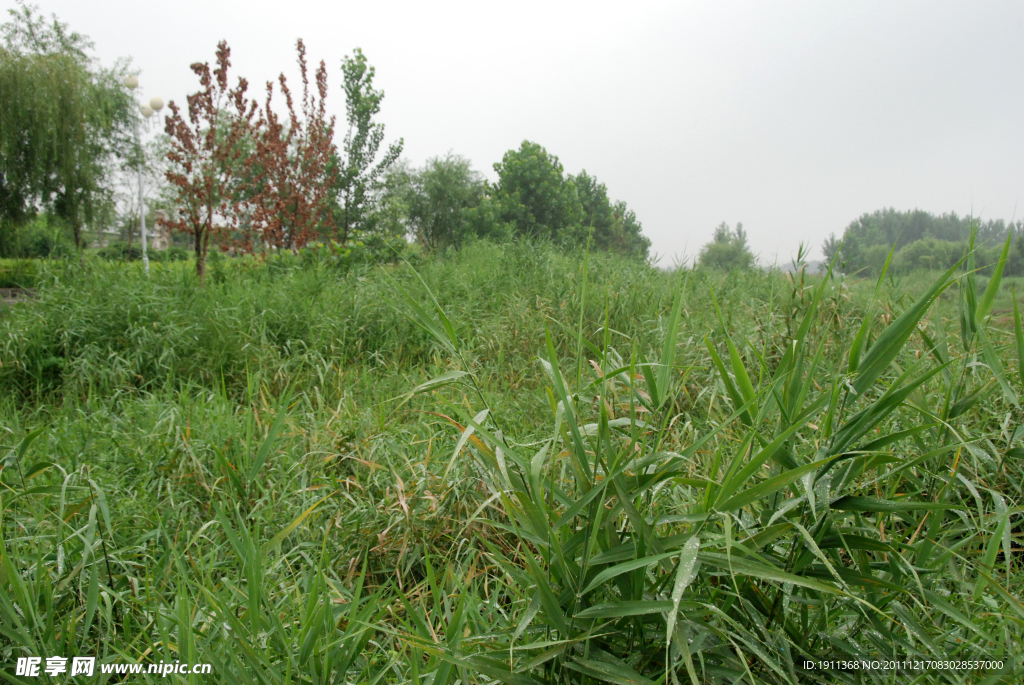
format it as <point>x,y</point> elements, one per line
<point>792,117</point>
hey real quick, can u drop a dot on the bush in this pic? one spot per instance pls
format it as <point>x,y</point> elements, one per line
<point>40,238</point>
<point>21,273</point>
<point>372,248</point>
<point>119,250</point>
<point>728,250</point>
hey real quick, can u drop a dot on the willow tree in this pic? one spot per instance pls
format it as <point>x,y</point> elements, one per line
<point>63,119</point>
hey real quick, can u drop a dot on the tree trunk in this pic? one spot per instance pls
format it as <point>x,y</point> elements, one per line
<point>200,258</point>
<point>78,244</point>
<point>344,224</point>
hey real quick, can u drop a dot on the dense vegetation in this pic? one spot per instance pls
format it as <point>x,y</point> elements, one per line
<point>514,452</point>
<point>62,119</point>
<point>249,177</point>
<point>446,203</point>
<point>727,249</point>
<point>923,241</point>
<point>519,465</point>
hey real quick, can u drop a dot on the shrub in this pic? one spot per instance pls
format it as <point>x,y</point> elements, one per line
<point>728,250</point>
<point>42,237</point>
<point>22,273</point>
<point>119,250</point>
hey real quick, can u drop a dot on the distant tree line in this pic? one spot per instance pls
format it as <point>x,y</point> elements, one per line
<point>446,202</point>
<point>259,182</point>
<point>923,241</point>
<point>255,177</point>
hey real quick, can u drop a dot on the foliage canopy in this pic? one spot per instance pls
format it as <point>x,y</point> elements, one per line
<point>359,175</point>
<point>922,241</point>
<point>727,250</point>
<point>440,198</point>
<point>613,227</point>
<point>62,121</point>
<point>533,194</point>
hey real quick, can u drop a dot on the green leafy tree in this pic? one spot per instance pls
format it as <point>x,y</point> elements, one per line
<point>484,220</point>
<point>868,239</point>
<point>931,254</point>
<point>390,214</point>
<point>598,217</point>
<point>728,250</point>
<point>359,175</point>
<point>63,120</point>
<point>627,232</point>
<point>535,197</point>
<point>442,194</point>
<point>612,226</point>
<point>831,248</point>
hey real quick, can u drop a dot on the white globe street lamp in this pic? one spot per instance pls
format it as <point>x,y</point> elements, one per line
<point>154,106</point>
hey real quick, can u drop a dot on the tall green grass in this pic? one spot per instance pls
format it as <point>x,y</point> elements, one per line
<point>512,465</point>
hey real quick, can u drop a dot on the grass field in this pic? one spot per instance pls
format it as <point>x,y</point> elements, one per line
<point>512,465</point>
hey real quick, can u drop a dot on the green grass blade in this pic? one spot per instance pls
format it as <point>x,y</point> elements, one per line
<point>754,569</point>
<point>618,674</point>
<point>891,341</point>
<point>617,570</point>
<point>625,608</point>
<point>988,298</point>
<point>730,387</point>
<point>268,442</point>
<point>684,574</point>
<point>668,351</point>
<point>296,522</point>
<point>478,420</point>
<point>873,505</point>
<point>857,347</point>
<point>562,394</point>
<point>1018,333</point>
<point>996,366</point>
<point>767,487</point>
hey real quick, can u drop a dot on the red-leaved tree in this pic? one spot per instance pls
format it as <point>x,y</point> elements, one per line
<point>291,168</point>
<point>207,157</point>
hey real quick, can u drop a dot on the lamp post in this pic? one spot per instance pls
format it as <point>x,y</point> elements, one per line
<point>154,106</point>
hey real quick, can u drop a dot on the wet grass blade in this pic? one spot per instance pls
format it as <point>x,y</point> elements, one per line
<point>1018,332</point>
<point>870,504</point>
<point>860,340</point>
<point>268,442</point>
<point>988,298</point>
<point>890,343</point>
<point>996,366</point>
<point>668,351</point>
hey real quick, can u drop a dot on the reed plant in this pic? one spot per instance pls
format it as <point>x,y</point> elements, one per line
<point>512,465</point>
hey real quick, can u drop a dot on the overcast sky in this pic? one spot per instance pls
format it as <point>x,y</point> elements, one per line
<point>792,117</point>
